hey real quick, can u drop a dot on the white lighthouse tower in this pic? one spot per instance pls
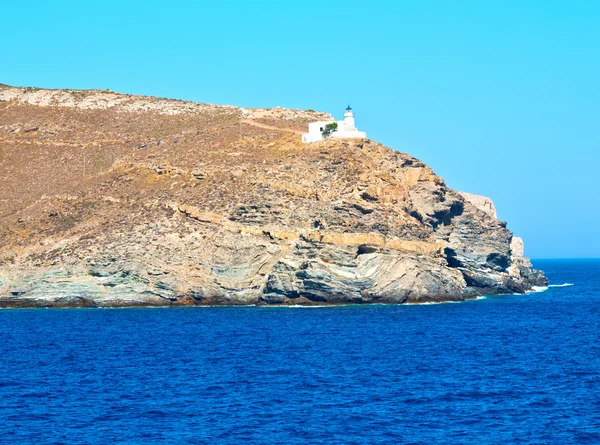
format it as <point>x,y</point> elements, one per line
<point>345,129</point>
<point>349,119</point>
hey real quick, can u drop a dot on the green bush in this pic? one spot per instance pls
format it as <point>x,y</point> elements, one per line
<point>329,128</point>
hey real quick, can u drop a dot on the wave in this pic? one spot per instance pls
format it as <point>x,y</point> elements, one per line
<point>427,303</point>
<point>535,289</point>
<point>481,297</point>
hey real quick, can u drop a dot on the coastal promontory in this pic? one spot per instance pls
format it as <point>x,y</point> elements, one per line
<point>111,200</point>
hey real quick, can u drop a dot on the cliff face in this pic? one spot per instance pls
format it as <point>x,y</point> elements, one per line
<point>115,200</point>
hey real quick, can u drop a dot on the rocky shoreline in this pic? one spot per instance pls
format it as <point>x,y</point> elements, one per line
<point>117,201</point>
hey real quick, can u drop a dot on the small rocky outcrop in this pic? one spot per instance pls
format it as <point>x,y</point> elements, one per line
<point>225,206</point>
<point>483,203</point>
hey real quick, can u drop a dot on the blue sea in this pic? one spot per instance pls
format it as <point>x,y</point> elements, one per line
<point>522,369</point>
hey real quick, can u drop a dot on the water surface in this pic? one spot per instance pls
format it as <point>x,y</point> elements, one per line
<point>509,369</point>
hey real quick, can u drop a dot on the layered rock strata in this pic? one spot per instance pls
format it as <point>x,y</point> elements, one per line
<point>114,200</point>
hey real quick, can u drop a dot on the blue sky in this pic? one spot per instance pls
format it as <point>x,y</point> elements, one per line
<point>500,98</point>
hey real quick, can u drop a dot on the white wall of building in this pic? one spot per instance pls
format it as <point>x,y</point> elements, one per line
<point>345,129</point>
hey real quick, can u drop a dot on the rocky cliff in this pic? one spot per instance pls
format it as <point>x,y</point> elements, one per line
<point>115,200</point>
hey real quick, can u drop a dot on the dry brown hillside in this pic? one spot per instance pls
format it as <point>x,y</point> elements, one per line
<point>111,199</point>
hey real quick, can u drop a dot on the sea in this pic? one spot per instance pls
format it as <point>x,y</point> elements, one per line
<point>512,369</point>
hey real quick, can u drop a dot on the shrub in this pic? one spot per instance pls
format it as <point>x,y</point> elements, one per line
<point>329,128</point>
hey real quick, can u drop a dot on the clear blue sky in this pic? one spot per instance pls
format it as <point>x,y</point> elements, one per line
<point>500,98</point>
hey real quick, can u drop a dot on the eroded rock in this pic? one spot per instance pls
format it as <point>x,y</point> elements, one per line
<point>229,215</point>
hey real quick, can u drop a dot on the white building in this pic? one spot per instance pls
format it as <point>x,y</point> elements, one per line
<point>345,129</point>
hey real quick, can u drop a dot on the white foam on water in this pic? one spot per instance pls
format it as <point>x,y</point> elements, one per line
<point>535,289</point>
<point>437,302</point>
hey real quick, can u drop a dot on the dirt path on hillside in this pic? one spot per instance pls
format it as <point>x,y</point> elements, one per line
<point>269,127</point>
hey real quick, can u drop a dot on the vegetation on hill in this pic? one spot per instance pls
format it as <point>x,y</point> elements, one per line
<point>116,200</point>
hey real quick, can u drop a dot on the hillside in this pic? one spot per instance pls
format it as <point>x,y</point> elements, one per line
<point>109,199</point>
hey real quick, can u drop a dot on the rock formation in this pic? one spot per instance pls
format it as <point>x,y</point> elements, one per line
<point>483,203</point>
<point>115,200</point>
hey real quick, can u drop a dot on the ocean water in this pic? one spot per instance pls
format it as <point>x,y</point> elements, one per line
<point>521,369</point>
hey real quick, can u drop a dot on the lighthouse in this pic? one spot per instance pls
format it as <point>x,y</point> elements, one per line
<point>349,119</point>
<point>345,129</point>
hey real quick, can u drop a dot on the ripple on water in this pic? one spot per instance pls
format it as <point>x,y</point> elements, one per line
<point>506,369</point>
